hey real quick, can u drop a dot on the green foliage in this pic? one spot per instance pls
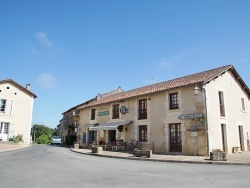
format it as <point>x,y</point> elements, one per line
<point>39,130</point>
<point>18,138</point>
<point>43,139</point>
<point>71,126</point>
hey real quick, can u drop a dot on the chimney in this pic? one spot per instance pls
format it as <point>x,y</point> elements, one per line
<point>28,87</point>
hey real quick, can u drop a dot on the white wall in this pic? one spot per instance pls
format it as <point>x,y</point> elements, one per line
<point>19,113</point>
<point>234,116</point>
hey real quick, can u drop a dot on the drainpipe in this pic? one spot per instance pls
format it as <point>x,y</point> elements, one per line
<point>205,103</point>
<point>153,147</point>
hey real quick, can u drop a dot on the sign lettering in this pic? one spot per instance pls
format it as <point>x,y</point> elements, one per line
<point>190,116</point>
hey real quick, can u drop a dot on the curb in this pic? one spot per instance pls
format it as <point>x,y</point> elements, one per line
<point>164,160</point>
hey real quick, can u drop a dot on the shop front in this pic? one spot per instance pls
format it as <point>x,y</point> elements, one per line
<point>108,132</point>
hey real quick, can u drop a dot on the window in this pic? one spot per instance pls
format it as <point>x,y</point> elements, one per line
<point>143,109</point>
<point>2,105</point>
<point>6,128</point>
<point>116,111</point>
<point>243,104</point>
<point>143,133</point>
<point>1,128</point>
<point>222,106</point>
<point>174,103</point>
<point>92,114</point>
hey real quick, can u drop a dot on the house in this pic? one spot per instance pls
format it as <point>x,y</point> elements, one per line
<point>69,123</point>
<point>16,107</point>
<point>191,115</point>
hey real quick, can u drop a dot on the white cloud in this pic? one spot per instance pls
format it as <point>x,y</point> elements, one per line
<point>46,80</point>
<point>43,39</point>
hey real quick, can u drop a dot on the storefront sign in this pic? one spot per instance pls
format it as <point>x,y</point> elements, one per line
<point>76,118</point>
<point>190,116</point>
<point>104,113</point>
<point>123,110</point>
<point>194,134</point>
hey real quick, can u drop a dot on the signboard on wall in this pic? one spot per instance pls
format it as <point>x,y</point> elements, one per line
<point>190,116</point>
<point>194,134</point>
<point>103,113</point>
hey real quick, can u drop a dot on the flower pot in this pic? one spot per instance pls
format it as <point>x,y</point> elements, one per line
<point>97,149</point>
<point>218,156</point>
<point>76,146</point>
<point>141,153</point>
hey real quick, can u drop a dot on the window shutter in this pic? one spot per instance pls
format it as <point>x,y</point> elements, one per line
<point>8,107</point>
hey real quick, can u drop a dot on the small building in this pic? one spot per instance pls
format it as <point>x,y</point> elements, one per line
<point>191,115</point>
<point>16,107</point>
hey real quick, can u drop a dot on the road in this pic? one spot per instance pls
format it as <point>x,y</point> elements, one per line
<point>53,166</point>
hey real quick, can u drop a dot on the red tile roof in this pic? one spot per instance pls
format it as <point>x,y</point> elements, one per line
<point>198,78</point>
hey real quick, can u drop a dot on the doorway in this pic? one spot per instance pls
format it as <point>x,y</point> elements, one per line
<point>112,135</point>
<point>175,137</point>
<point>92,136</point>
<point>241,137</point>
<point>224,137</point>
<point>4,131</point>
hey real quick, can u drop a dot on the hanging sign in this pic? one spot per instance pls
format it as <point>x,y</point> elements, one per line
<point>190,116</point>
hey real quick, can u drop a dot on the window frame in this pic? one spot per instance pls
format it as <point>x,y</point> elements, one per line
<point>3,105</point>
<point>92,114</point>
<point>142,109</point>
<point>143,133</point>
<point>115,111</point>
<point>222,104</point>
<point>243,105</point>
<point>174,101</point>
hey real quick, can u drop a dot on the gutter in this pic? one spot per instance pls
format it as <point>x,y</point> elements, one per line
<point>205,103</point>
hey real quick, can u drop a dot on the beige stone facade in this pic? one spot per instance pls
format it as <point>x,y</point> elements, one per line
<point>168,118</point>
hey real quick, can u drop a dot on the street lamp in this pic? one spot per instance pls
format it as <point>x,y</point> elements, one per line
<point>196,90</point>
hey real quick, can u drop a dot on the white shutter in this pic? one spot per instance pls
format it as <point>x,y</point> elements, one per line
<point>8,108</point>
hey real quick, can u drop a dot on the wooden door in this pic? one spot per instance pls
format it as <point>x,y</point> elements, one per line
<point>175,138</point>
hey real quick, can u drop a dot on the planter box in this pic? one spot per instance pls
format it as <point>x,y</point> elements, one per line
<point>97,150</point>
<point>76,146</point>
<point>141,153</point>
<point>218,156</point>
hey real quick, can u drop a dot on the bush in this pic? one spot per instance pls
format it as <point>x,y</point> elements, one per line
<point>43,139</point>
<point>18,138</point>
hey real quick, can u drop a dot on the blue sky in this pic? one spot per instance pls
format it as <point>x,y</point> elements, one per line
<point>71,50</point>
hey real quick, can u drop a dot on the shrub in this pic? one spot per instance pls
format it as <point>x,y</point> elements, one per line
<point>18,138</point>
<point>43,139</point>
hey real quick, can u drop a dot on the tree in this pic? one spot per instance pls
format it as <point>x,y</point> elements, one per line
<point>39,130</point>
<point>43,139</point>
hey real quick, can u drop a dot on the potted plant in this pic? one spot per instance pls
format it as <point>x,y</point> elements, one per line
<point>18,139</point>
<point>218,155</point>
<point>142,152</point>
<point>97,149</point>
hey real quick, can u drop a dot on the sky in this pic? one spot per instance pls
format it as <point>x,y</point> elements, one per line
<point>71,50</point>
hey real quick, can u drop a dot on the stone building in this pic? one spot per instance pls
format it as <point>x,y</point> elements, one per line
<point>190,115</point>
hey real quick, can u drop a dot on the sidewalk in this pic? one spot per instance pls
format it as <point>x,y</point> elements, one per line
<point>242,158</point>
<point>9,146</point>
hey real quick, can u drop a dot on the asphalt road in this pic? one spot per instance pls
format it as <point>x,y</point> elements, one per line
<point>53,166</point>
